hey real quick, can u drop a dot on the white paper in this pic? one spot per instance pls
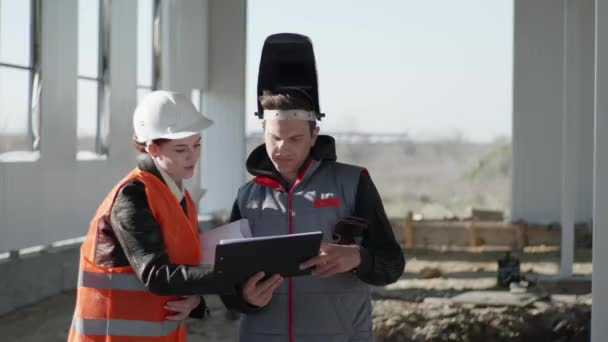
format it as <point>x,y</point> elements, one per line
<point>209,239</point>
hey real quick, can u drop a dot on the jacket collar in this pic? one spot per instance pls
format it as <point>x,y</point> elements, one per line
<point>148,165</point>
<point>259,164</point>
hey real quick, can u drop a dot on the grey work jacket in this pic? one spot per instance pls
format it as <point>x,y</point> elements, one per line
<point>336,309</point>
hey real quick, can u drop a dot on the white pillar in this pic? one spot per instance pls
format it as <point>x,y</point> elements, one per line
<point>576,123</point>
<point>203,47</point>
<point>59,63</point>
<point>223,159</point>
<point>184,45</point>
<point>569,138</point>
<point>538,79</point>
<point>553,115</point>
<point>599,309</point>
<point>184,54</point>
<point>123,91</point>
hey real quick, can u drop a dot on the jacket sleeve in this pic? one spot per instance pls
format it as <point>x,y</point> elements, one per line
<point>140,237</point>
<point>382,260</point>
<point>235,301</point>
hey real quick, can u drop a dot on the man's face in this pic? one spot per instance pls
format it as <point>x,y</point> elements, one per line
<point>288,143</point>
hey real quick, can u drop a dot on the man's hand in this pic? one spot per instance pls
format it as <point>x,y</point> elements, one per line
<point>334,259</point>
<point>181,308</point>
<point>259,293</point>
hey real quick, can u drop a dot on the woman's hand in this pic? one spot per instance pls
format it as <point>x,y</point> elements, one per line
<point>259,293</point>
<point>182,308</point>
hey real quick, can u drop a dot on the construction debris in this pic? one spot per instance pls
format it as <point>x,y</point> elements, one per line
<point>429,272</point>
<point>441,322</point>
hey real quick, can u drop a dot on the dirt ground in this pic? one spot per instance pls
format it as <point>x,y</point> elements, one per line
<point>394,305</point>
<point>416,309</point>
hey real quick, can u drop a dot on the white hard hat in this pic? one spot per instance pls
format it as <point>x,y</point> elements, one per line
<point>167,115</point>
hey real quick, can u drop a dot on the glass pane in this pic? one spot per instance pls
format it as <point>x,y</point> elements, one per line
<point>14,110</point>
<point>145,17</point>
<point>15,28</point>
<point>88,38</point>
<point>195,97</point>
<point>87,115</point>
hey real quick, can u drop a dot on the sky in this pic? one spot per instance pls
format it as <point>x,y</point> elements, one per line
<point>432,69</point>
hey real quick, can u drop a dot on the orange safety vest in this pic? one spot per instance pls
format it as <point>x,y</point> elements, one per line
<point>112,304</point>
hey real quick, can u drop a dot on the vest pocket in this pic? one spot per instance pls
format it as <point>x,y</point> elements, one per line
<point>321,314</point>
<point>270,320</point>
<point>359,313</point>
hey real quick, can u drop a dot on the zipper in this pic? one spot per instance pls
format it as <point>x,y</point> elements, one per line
<point>290,212</point>
<point>290,284</point>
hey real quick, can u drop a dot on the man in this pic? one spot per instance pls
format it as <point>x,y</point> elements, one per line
<point>299,187</point>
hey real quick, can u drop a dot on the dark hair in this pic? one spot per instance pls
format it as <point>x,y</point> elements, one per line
<point>141,147</point>
<point>287,101</point>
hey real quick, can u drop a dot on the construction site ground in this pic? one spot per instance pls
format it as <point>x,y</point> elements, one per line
<point>413,309</point>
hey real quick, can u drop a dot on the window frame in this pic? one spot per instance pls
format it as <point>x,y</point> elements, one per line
<point>102,80</point>
<point>35,79</point>
<point>156,48</point>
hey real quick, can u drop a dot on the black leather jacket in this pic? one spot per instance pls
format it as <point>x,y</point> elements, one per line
<point>134,238</point>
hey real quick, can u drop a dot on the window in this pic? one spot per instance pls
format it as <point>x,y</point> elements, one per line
<point>19,76</point>
<point>93,116</point>
<point>196,98</point>
<point>148,49</point>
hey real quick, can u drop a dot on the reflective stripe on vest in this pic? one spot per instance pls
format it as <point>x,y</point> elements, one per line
<point>112,303</point>
<point>123,327</point>
<point>115,281</point>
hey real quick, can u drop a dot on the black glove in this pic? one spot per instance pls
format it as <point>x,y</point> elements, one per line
<point>349,230</point>
<point>201,311</point>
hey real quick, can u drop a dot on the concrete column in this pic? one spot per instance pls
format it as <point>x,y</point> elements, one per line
<point>223,159</point>
<point>577,121</point>
<point>123,78</point>
<point>184,54</point>
<point>599,310</point>
<point>552,114</point>
<point>59,64</point>
<point>184,45</point>
<point>203,47</point>
<point>538,79</point>
<point>569,137</point>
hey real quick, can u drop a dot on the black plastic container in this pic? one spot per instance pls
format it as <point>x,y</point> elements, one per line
<point>508,271</point>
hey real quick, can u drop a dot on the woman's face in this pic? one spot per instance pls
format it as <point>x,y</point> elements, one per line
<point>178,157</point>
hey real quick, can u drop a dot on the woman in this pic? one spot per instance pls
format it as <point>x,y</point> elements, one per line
<point>138,280</point>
